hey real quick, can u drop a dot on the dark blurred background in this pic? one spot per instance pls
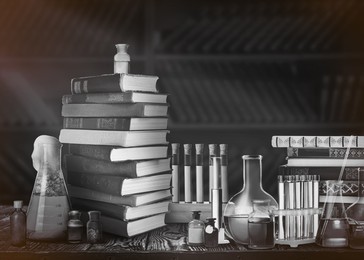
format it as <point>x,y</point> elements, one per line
<point>238,71</point>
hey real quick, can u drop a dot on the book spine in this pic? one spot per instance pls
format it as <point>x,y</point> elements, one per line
<point>349,188</point>
<point>82,164</point>
<point>107,184</point>
<point>326,173</point>
<point>92,151</point>
<point>97,84</point>
<point>103,110</point>
<point>106,123</point>
<point>126,97</point>
<point>354,153</point>
<point>318,141</point>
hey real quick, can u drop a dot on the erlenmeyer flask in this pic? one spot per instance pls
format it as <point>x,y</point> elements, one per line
<point>240,205</point>
<point>49,205</point>
<point>355,214</point>
<point>333,228</point>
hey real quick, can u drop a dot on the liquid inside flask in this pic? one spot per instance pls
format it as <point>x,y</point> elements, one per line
<point>47,214</point>
<point>334,227</point>
<point>239,207</point>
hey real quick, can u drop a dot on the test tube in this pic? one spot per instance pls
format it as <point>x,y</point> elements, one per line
<point>305,218</point>
<point>290,204</point>
<point>212,153</point>
<point>281,206</point>
<point>316,200</point>
<point>310,205</point>
<point>298,206</point>
<point>175,172</point>
<point>216,193</point>
<point>187,168</point>
<point>199,173</point>
<point>224,172</point>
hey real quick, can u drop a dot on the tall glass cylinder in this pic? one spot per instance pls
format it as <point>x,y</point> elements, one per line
<point>240,205</point>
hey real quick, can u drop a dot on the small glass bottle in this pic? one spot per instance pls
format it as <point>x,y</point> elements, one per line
<point>261,228</point>
<point>196,230</point>
<point>94,227</point>
<point>121,59</point>
<point>74,227</point>
<point>211,233</point>
<point>18,222</point>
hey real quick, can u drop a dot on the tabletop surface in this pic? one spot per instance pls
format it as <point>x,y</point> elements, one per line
<point>168,242</point>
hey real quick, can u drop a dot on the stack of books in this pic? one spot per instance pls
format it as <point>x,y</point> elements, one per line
<point>117,161</point>
<point>330,157</point>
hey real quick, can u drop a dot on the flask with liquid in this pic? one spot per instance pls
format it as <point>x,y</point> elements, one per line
<point>240,205</point>
<point>121,59</point>
<point>261,226</point>
<point>355,214</point>
<point>333,228</point>
<point>75,227</point>
<point>49,204</point>
<point>196,229</point>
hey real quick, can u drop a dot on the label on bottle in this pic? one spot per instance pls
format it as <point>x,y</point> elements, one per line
<point>195,235</point>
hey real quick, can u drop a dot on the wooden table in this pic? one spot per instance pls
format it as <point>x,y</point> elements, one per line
<point>168,242</point>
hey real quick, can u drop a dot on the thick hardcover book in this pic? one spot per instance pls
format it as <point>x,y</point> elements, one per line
<point>318,141</point>
<point>131,228</point>
<point>110,98</point>
<point>349,188</point>
<point>122,212</point>
<point>114,83</point>
<point>115,123</point>
<point>116,153</point>
<point>115,110</point>
<point>326,173</point>
<point>131,169</point>
<point>117,185</point>
<point>131,200</point>
<point>316,162</point>
<point>354,153</point>
<point>117,138</point>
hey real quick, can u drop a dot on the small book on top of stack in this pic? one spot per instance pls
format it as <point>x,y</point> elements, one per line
<point>330,157</point>
<point>117,158</point>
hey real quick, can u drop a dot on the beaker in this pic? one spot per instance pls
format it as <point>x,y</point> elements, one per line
<point>333,228</point>
<point>355,214</point>
<point>240,205</point>
<point>47,214</point>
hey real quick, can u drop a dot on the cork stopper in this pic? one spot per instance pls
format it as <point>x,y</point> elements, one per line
<point>223,149</point>
<point>175,148</point>
<point>212,149</point>
<point>199,148</point>
<point>18,204</point>
<point>187,148</point>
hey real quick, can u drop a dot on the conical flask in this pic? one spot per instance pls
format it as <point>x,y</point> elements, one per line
<point>47,213</point>
<point>333,228</point>
<point>239,207</point>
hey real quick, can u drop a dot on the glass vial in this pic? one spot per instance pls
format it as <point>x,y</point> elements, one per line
<point>94,227</point>
<point>211,233</point>
<point>196,229</point>
<point>121,59</point>
<point>261,226</point>
<point>49,205</point>
<point>240,205</point>
<point>333,227</point>
<point>74,227</point>
<point>18,224</point>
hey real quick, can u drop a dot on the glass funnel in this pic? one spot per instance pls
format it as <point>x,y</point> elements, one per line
<point>333,227</point>
<point>240,205</point>
<point>49,205</point>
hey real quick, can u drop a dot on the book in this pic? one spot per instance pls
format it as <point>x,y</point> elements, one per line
<point>317,141</point>
<point>131,228</point>
<point>130,200</point>
<point>115,110</point>
<point>115,123</point>
<point>114,83</point>
<point>117,185</point>
<point>110,98</point>
<point>117,153</point>
<point>317,162</point>
<point>349,188</point>
<point>345,199</point>
<point>354,153</point>
<point>109,137</point>
<point>131,169</point>
<point>326,173</point>
<point>118,211</point>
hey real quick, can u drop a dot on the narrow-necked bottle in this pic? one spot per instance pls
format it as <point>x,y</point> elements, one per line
<point>240,205</point>
<point>121,59</point>
<point>196,229</point>
<point>18,225</point>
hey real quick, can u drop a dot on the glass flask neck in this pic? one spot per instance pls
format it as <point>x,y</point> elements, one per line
<point>261,205</point>
<point>252,172</point>
<point>51,156</point>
